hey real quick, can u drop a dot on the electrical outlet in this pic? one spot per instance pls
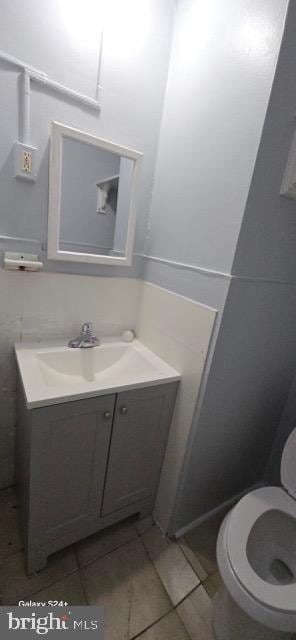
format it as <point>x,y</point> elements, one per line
<point>27,161</point>
<point>24,161</point>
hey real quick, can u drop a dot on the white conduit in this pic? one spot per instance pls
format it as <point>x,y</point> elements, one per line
<point>25,133</point>
<point>30,74</point>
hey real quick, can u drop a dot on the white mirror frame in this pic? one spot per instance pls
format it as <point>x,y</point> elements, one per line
<point>58,132</point>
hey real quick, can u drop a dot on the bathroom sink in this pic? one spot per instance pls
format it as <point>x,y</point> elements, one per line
<point>55,373</point>
<point>73,366</point>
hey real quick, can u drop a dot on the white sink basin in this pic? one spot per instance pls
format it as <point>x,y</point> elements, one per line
<point>52,374</point>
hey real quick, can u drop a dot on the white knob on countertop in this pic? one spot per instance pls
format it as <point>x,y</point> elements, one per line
<point>128,336</point>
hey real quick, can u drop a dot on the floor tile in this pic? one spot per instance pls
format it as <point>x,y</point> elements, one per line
<point>192,559</point>
<point>144,525</point>
<point>10,539</point>
<point>16,585</point>
<point>202,541</point>
<point>127,586</point>
<point>213,584</point>
<point>103,542</point>
<point>67,590</point>
<point>171,565</point>
<point>195,613</point>
<point>168,628</point>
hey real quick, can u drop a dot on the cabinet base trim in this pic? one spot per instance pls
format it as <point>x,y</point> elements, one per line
<point>37,553</point>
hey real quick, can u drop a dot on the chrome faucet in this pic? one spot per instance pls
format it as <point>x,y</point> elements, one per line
<point>86,339</point>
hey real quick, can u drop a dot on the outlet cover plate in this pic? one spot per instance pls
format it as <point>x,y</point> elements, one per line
<point>25,161</point>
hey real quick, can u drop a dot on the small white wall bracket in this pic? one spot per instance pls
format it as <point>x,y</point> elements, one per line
<point>25,161</point>
<point>288,187</point>
<point>22,261</point>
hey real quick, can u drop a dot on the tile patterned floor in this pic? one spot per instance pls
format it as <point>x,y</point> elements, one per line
<point>150,588</point>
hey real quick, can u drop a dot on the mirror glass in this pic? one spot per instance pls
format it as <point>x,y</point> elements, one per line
<point>92,187</point>
<point>95,196</point>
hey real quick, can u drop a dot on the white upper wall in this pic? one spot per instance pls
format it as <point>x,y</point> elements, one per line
<point>60,38</point>
<point>221,71</point>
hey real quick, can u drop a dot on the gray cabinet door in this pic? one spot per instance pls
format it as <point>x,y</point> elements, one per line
<point>141,422</point>
<point>68,465</point>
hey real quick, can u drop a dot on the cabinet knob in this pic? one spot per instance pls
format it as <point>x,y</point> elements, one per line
<point>123,410</point>
<point>107,415</point>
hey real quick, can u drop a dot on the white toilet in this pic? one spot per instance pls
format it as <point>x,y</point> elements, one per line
<point>256,551</point>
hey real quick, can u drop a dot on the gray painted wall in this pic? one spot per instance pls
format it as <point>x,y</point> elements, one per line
<point>255,354</point>
<point>133,76</point>
<point>207,147</point>
<point>206,159</point>
<point>267,242</point>
<point>220,77</point>
<point>247,386</point>
<point>269,226</point>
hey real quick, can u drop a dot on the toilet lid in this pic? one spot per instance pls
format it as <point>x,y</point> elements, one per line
<point>288,465</point>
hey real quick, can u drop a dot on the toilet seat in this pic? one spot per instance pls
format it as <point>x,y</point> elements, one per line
<point>240,522</point>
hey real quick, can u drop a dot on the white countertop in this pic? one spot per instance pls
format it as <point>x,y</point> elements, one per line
<point>53,373</point>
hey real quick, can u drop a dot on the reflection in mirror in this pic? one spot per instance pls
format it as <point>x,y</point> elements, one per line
<point>95,195</point>
<point>92,188</point>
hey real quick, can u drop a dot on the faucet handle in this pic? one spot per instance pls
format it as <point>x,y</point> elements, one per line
<point>87,327</point>
<point>87,337</point>
<point>87,331</point>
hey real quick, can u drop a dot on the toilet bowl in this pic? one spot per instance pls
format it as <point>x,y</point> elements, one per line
<point>256,552</point>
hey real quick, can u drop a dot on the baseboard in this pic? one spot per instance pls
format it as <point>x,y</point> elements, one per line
<point>164,533</point>
<point>206,516</point>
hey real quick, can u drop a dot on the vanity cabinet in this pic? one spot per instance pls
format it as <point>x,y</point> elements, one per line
<point>86,464</point>
<point>140,426</point>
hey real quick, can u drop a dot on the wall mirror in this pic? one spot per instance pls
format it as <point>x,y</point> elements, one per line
<point>92,193</point>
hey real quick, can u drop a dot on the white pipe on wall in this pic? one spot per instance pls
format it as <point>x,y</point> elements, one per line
<point>30,74</point>
<point>25,133</point>
<point>7,57</point>
<point>59,88</point>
